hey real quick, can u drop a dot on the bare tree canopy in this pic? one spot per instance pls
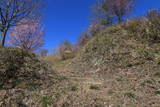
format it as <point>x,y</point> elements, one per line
<point>110,11</point>
<point>13,11</point>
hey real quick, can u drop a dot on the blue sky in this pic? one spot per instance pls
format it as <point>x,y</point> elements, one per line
<point>66,19</point>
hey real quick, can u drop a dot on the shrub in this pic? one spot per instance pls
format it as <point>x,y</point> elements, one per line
<point>18,63</point>
<point>145,28</point>
<point>133,25</point>
<point>66,50</point>
<point>91,31</point>
<point>95,28</point>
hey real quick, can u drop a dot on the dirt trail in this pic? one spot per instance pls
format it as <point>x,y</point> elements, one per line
<point>88,79</point>
<point>85,80</point>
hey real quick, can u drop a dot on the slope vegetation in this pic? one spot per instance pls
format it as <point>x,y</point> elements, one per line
<point>126,63</point>
<point>25,80</point>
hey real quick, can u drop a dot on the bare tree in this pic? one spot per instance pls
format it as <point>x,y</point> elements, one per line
<point>82,40</point>
<point>95,28</point>
<point>12,11</point>
<point>29,36</point>
<point>100,15</point>
<point>115,10</point>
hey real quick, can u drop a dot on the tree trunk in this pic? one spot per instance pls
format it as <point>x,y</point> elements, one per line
<point>120,20</point>
<point>3,34</point>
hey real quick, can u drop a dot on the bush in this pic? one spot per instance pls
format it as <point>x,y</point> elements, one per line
<point>92,31</point>
<point>146,28</point>
<point>66,50</point>
<point>17,63</point>
<point>133,25</point>
<point>95,28</point>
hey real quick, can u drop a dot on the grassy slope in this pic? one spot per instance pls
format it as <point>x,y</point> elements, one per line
<point>114,69</point>
<point>129,69</point>
<point>27,81</point>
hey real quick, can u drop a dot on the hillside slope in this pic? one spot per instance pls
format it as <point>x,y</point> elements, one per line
<point>128,68</point>
<point>114,69</point>
<point>25,80</point>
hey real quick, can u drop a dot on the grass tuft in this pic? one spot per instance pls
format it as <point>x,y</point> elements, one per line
<point>94,87</point>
